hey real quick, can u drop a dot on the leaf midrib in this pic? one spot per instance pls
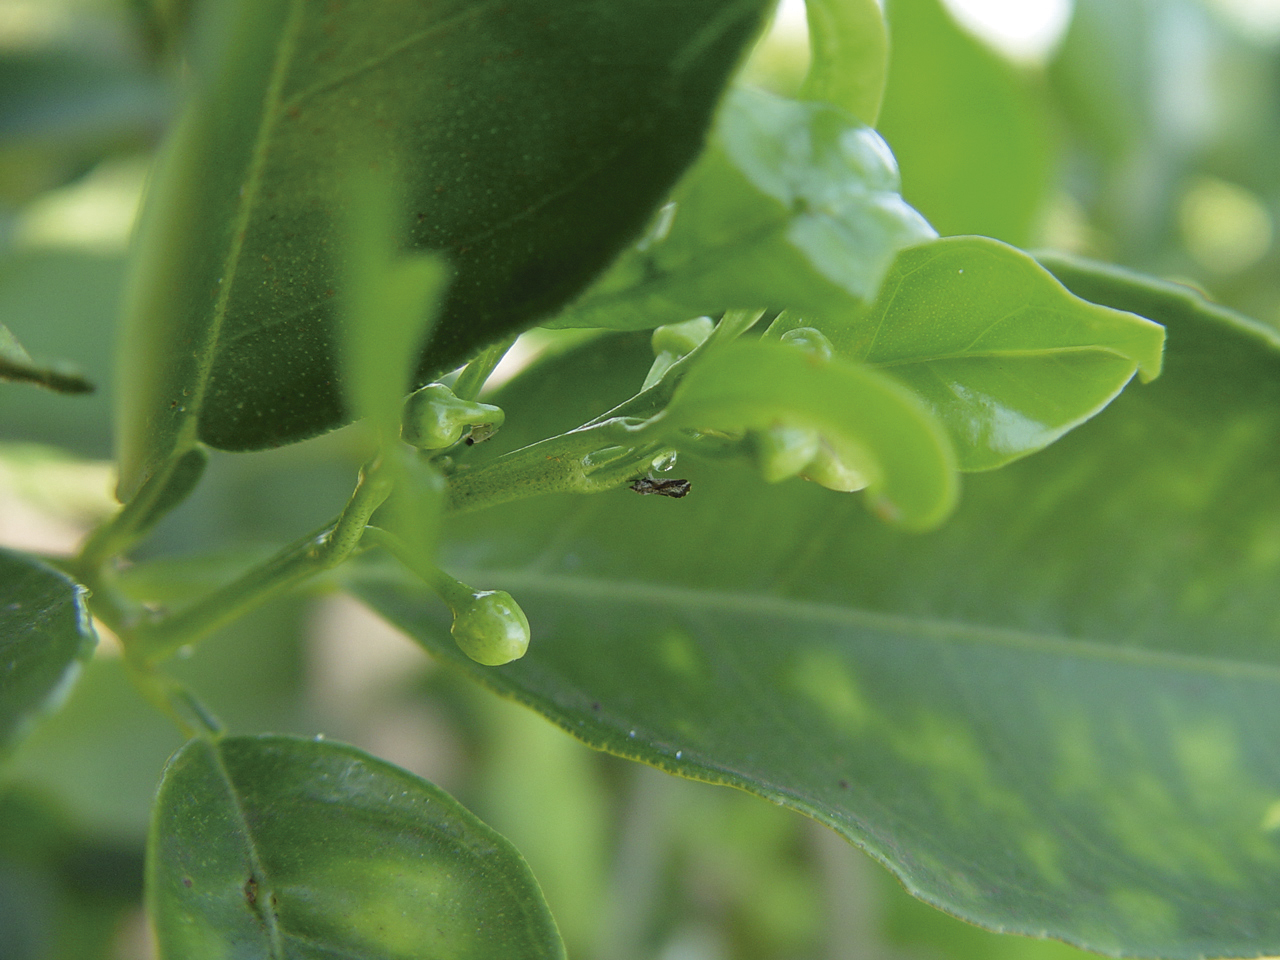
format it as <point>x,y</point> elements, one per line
<point>598,589</point>
<point>259,875</point>
<point>248,198</point>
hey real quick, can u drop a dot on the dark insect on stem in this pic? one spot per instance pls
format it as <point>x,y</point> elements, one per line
<point>663,488</point>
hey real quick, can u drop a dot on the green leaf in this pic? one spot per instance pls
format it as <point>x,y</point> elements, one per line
<point>508,127</point>
<point>1006,358</point>
<point>849,55</point>
<point>879,430</point>
<point>286,848</point>
<point>1055,716</point>
<point>793,205</point>
<point>16,364</point>
<point>389,305</point>
<point>62,109</point>
<point>1162,300</point>
<point>970,137</point>
<point>45,636</point>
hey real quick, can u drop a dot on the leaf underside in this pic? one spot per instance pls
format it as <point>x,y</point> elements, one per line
<point>529,142</point>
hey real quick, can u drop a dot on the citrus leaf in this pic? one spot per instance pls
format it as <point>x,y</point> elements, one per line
<point>849,60</point>
<point>1055,716</point>
<point>45,636</point>
<point>509,128</point>
<point>969,134</point>
<point>285,848</point>
<point>1005,356</point>
<point>881,431</point>
<point>794,204</point>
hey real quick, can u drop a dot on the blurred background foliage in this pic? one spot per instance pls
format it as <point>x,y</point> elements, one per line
<point>1145,132</point>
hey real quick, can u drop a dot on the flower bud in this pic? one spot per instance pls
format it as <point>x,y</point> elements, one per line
<point>781,452</point>
<point>491,629</point>
<point>434,418</point>
<point>682,338</point>
<point>828,470</point>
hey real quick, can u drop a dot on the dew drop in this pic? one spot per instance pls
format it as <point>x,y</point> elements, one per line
<point>679,754</point>
<point>665,463</point>
<point>632,734</point>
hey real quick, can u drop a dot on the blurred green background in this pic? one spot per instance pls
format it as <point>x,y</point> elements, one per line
<point>1145,132</point>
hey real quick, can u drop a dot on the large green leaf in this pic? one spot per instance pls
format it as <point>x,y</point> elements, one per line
<point>1054,716</point>
<point>1004,355</point>
<point>794,204</point>
<point>530,150</point>
<point>45,635</point>
<point>969,135</point>
<point>287,848</point>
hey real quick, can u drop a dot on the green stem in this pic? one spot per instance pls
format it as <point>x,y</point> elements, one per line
<point>590,459</point>
<point>472,379</point>
<point>454,593</point>
<point>314,554</point>
<point>175,701</point>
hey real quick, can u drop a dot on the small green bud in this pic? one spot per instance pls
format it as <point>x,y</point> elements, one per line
<point>782,452</point>
<point>491,629</point>
<point>434,418</point>
<point>828,470</point>
<point>682,338</point>
<point>811,340</point>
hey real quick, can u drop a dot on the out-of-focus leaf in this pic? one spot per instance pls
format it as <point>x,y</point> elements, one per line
<point>1003,354</point>
<point>63,894</point>
<point>61,303</point>
<point>1056,715</point>
<point>793,205</point>
<point>61,110</point>
<point>879,430</point>
<point>969,136</point>
<point>16,364</point>
<point>528,149</point>
<point>391,302</point>
<point>280,847</point>
<point>849,55</point>
<point>45,635</point>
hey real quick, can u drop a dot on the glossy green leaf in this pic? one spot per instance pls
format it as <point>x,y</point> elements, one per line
<point>1006,358</point>
<point>510,128</point>
<point>969,135</point>
<point>1163,300</point>
<point>849,57</point>
<point>16,365</point>
<point>1056,715</point>
<point>793,205</point>
<point>45,636</point>
<point>879,430</point>
<point>284,848</point>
